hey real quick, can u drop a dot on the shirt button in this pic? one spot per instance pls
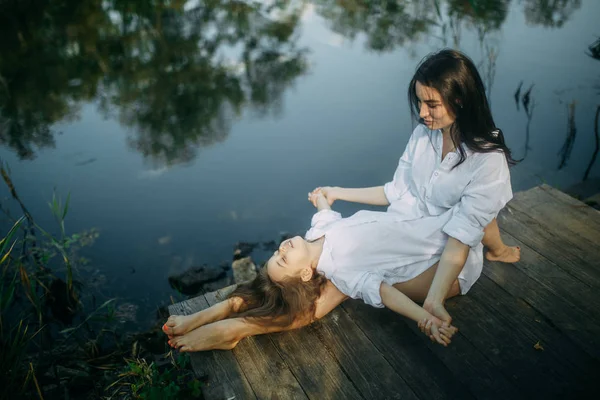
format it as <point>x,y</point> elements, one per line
<point>435,173</point>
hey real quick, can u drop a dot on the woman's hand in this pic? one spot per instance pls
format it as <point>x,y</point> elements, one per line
<point>437,330</point>
<point>329,192</point>
<point>317,198</point>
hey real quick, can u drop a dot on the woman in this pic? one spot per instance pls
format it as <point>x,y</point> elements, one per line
<point>454,171</point>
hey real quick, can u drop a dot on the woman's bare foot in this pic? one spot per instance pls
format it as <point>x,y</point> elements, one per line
<point>178,325</point>
<point>207,337</point>
<point>506,254</point>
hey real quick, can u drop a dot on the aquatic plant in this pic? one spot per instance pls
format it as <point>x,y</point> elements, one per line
<point>54,339</point>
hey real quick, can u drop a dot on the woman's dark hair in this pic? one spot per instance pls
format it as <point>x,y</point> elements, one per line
<point>455,77</point>
<point>278,303</point>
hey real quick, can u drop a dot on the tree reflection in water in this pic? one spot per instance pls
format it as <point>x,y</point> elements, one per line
<point>176,76</point>
<point>549,13</point>
<point>178,72</point>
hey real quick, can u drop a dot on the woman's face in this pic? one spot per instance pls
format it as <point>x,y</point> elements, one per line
<point>292,259</point>
<point>432,109</point>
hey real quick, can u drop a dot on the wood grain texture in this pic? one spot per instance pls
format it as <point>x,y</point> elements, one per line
<point>368,369</point>
<point>222,375</point>
<point>265,370</point>
<point>571,258</point>
<point>500,327</point>
<point>572,321</point>
<point>407,353</point>
<point>316,369</point>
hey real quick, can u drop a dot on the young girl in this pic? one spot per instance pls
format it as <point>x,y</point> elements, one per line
<point>363,256</point>
<point>450,184</point>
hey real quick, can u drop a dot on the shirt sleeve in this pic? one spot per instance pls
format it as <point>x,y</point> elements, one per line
<point>399,184</point>
<point>483,198</point>
<point>370,290</point>
<point>319,221</point>
<point>365,287</point>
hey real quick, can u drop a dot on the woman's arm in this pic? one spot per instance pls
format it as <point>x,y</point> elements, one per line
<point>317,198</point>
<point>451,263</point>
<point>371,195</point>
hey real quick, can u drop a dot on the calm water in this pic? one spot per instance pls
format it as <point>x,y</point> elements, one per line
<point>181,128</point>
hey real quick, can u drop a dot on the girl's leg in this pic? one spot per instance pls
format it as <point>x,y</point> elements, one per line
<point>182,324</point>
<point>226,333</point>
<point>497,250</point>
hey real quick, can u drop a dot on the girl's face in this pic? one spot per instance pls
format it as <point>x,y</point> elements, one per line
<point>292,259</point>
<point>432,109</point>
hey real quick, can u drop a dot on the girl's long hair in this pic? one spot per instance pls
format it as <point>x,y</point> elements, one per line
<point>279,303</point>
<point>456,78</point>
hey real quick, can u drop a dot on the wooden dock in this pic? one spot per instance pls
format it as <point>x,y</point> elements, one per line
<point>529,330</point>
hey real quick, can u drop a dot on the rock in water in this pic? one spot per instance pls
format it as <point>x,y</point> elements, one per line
<point>243,270</point>
<point>192,281</point>
<point>243,249</point>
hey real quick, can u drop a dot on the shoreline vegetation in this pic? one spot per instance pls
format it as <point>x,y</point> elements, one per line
<point>61,338</point>
<point>56,340</point>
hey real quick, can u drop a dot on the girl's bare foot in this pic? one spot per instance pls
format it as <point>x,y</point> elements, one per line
<point>506,254</point>
<point>178,325</point>
<point>207,337</point>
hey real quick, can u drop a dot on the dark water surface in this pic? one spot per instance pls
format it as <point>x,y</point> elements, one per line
<point>181,128</point>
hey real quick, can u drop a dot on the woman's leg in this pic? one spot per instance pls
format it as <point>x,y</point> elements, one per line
<point>497,250</point>
<point>417,288</point>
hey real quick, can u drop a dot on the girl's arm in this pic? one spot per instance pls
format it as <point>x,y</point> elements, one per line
<point>397,301</point>
<point>371,195</point>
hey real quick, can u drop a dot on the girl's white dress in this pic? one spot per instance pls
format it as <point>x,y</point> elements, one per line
<point>429,201</point>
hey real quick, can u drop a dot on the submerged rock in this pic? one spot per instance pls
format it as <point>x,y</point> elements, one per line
<point>194,280</point>
<point>243,270</point>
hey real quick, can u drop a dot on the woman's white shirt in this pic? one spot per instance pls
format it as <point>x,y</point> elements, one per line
<point>426,185</point>
<point>429,201</point>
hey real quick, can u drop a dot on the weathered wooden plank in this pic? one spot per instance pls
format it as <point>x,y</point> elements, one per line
<point>576,207</point>
<point>404,349</point>
<point>263,367</point>
<point>507,329</point>
<point>576,324</point>
<point>319,374</point>
<point>223,375</point>
<point>567,255</point>
<point>572,291</point>
<point>469,365</point>
<point>369,371</point>
<point>564,219</point>
<point>311,364</point>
